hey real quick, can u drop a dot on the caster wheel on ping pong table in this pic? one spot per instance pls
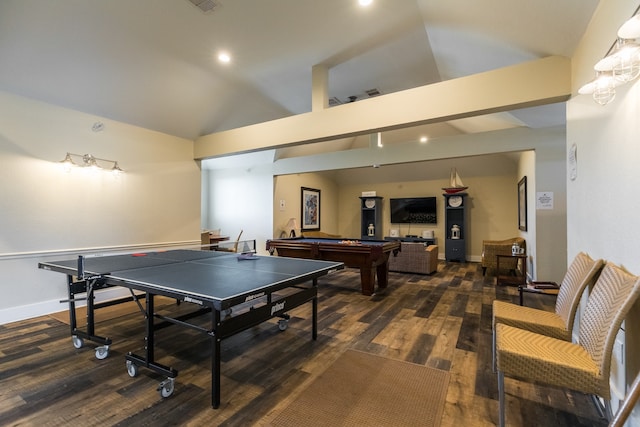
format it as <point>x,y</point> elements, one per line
<point>166,387</point>
<point>77,341</point>
<point>283,324</point>
<point>102,352</point>
<point>132,369</point>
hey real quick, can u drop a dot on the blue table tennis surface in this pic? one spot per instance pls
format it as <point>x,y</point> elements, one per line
<point>210,275</point>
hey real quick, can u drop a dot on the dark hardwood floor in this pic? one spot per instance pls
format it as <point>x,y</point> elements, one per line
<point>442,321</point>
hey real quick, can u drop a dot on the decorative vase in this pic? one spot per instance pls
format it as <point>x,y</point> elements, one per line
<point>515,249</point>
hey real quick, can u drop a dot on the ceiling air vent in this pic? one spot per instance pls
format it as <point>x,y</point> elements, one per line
<point>206,6</point>
<point>372,92</point>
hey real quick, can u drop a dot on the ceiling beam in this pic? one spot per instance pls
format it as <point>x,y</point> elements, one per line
<point>479,144</point>
<point>529,84</point>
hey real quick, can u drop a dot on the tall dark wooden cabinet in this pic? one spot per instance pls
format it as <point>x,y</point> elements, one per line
<point>371,208</point>
<point>455,226</point>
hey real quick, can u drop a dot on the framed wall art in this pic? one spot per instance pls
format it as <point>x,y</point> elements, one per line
<point>522,204</point>
<point>310,208</point>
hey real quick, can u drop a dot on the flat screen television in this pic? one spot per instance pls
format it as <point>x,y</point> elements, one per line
<point>413,210</point>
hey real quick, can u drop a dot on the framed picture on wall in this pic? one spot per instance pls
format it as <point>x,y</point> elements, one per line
<point>522,204</point>
<point>310,209</point>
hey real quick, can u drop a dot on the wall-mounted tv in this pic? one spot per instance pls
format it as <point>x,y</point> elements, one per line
<point>413,210</point>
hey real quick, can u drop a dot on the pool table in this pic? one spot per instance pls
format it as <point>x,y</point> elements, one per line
<point>370,256</point>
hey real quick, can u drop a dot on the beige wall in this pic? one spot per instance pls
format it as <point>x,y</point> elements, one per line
<point>288,189</point>
<point>492,181</point>
<point>492,208</point>
<point>526,168</point>
<point>491,200</point>
<point>603,201</point>
<point>49,213</point>
<point>550,227</point>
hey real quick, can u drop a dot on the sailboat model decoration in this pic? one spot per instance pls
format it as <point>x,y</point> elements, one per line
<point>455,183</point>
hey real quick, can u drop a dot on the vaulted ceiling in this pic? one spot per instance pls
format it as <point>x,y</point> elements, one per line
<point>152,63</point>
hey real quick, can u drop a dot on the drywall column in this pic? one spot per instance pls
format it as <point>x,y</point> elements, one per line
<point>319,88</point>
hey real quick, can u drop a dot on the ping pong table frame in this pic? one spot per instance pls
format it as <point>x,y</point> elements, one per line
<point>222,326</point>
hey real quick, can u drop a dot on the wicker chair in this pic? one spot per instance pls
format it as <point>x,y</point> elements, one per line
<point>583,367</point>
<point>491,248</point>
<point>582,273</point>
<point>233,247</point>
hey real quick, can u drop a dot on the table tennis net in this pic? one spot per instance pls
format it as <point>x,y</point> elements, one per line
<point>243,246</point>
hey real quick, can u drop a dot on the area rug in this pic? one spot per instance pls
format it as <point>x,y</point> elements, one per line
<point>361,389</point>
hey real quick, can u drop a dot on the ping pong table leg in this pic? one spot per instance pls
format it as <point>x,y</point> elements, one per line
<point>150,328</point>
<point>215,360</point>
<point>166,387</point>
<point>72,305</point>
<point>314,312</point>
<point>91,319</point>
<point>77,335</point>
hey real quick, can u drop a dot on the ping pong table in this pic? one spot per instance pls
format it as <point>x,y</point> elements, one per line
<point>239,291</point>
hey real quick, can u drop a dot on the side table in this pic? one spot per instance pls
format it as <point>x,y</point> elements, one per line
<point>544,288</point>
<point>516,280</point>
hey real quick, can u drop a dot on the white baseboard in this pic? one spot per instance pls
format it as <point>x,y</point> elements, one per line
<point>15,314</point>
<point>41,308</point>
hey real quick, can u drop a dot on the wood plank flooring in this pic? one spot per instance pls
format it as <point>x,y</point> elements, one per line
<point>442,321</point>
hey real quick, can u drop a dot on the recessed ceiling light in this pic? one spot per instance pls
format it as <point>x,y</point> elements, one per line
<point>224,57</point>
<point>423,139</point>
<point>364,3</point>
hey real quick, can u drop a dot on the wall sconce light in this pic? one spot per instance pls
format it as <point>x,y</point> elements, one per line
<point>619,66</point>
<point>89,161</point>
<point>602,87</point>
<point>623,62</point>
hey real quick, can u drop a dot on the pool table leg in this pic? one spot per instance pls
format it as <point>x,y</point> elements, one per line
<point>370,271</point>
<point>368,279</point>
<point>382,271</point>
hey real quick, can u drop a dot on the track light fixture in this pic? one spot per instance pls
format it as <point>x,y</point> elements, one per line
<point>89,161</point>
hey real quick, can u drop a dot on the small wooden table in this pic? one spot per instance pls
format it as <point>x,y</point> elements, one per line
<point>214,239</point>
<point>544,288</point>
<point>512,280</point>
